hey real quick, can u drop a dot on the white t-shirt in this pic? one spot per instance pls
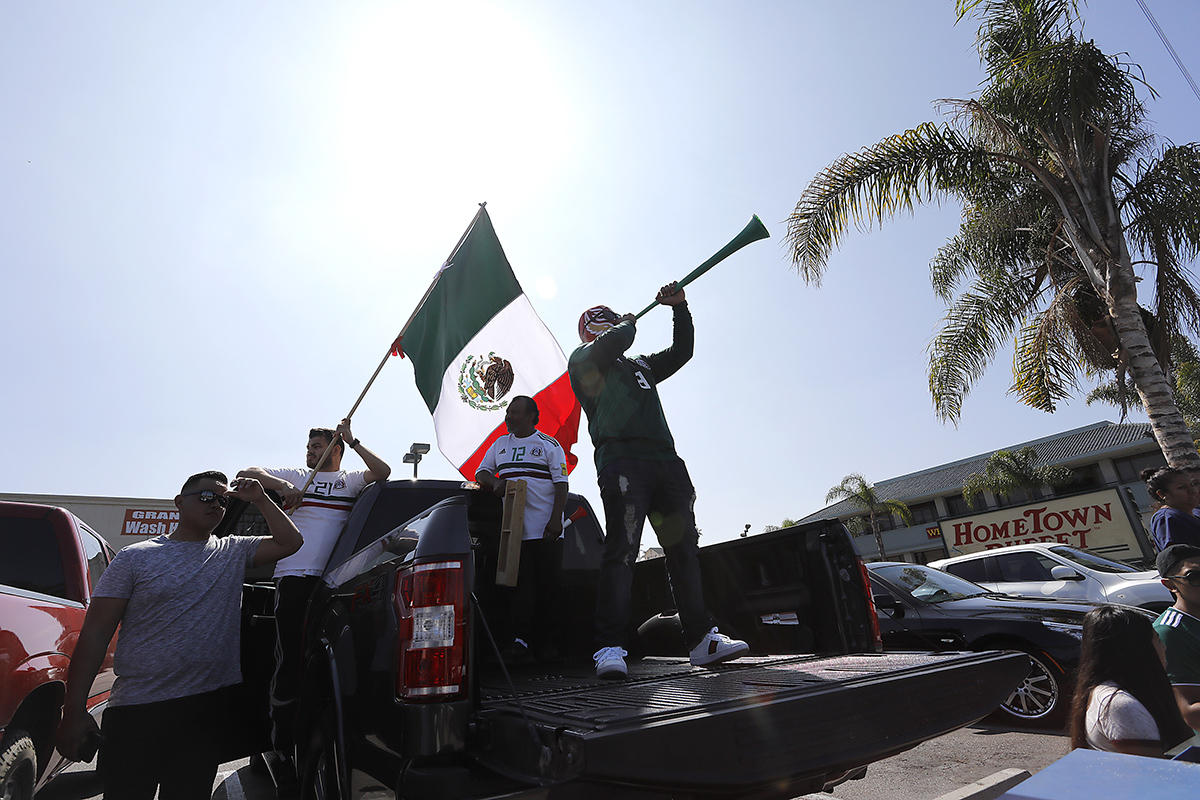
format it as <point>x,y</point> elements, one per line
<point>1114,715</point>
<point>539,461</point>
<point>320,516</point>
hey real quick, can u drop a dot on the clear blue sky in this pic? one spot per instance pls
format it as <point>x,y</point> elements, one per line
<point>216,216</point>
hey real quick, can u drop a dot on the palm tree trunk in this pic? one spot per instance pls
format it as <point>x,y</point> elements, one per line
<point>878,538</point>
<point>1151,382</point>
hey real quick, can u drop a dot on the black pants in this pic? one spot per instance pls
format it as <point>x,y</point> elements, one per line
<point>534,601</point>
<point>169,746</point>
<point>292,594</point>
<point>632,490</point>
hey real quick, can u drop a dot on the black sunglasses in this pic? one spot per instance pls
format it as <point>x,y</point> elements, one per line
<point>208,496</point>
<point>1191,578</point>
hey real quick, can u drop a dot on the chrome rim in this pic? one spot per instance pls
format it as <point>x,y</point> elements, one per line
<point>1036,696</point>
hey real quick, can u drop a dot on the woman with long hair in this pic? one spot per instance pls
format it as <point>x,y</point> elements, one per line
<point>1123,701</point>
<point>1173,522</point>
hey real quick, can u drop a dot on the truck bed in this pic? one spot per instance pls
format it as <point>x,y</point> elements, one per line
<point>729,729</point>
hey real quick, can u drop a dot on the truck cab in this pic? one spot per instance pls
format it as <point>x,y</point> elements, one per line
<point>49,562</point>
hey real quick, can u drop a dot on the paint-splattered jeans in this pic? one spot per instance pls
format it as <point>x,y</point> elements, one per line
<point>631,490</point>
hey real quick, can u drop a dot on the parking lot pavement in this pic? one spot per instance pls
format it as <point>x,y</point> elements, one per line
<point>954,760</point>
<point>923,773</point>
<point>235,781</point>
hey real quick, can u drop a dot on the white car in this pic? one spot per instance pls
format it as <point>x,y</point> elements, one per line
<point>1059,571</point>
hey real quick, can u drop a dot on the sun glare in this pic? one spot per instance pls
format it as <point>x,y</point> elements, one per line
<point>444,105</point>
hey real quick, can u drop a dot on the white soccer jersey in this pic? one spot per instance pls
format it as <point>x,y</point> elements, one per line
<point>320,516</point>
<point>539,461</point>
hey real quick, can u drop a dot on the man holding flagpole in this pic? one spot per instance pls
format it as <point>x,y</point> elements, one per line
<point>640,475</point>
<point>319,513</point>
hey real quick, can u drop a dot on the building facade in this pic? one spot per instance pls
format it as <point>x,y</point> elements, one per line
<point>1104,455</point>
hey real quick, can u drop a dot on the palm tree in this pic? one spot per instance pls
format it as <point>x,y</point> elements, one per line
<point>862,494</point>
<point>1185,372</point>
<point>1063,191</point>
<point>1006,471</point>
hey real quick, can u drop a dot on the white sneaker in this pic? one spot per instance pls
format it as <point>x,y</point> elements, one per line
<point>715,647</point>
<point>610,663</point>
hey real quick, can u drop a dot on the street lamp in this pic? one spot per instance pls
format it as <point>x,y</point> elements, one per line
<point>746,530</point>
<point>413,456</point>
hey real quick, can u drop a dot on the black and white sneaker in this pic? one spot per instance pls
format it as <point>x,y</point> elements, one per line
<point>716,647</point>
<point>610,663</point>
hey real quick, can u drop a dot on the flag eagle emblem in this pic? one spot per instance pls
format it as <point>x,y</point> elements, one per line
<point>483,381</point>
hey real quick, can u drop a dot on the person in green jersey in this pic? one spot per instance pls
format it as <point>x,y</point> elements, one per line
<point>1179,626</point>
<point>640,475</point>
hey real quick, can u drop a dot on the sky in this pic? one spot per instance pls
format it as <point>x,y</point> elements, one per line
<point>215,217</point>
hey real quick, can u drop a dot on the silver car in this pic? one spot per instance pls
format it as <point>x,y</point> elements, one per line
<point>1059,571</point>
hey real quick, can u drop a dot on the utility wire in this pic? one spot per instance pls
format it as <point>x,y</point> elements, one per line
<point>1187,76</point>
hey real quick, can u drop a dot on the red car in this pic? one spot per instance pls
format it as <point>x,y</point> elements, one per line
<point>49,562</point>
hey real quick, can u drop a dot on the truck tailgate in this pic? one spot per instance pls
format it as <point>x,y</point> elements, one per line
<point>736,726</point>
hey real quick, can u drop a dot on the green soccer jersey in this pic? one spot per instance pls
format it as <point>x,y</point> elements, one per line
<point>1180,633</point>
<point>619,394</point>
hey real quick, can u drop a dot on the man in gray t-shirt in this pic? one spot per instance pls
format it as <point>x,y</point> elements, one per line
<point>178,600</point>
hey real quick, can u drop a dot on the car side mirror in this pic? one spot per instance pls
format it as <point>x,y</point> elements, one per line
<point>885,602</point>
<point>1064,573</point>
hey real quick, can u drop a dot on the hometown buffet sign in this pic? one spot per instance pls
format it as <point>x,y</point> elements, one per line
<point>1094,521</point>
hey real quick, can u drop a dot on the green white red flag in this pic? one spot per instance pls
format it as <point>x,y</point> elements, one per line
<point>475,343</point>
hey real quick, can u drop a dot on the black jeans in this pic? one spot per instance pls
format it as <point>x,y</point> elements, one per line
<point>632,490</point>
<point>170,746</point>
<point>534,603</point>
<point>292,593</point>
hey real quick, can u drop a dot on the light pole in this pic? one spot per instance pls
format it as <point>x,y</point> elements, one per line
<point>413,456</point>
<point>746,530</point>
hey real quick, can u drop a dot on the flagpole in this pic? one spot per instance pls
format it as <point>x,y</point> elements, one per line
<point>395,348</point>
<point>438,277</point>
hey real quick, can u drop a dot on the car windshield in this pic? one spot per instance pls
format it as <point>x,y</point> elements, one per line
<point>927,584</point>
<point>1086,559</point>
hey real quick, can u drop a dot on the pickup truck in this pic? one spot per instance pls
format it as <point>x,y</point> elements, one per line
<point>49,562</point>
<point>405,695</point>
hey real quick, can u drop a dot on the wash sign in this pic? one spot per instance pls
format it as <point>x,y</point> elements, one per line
<point>1094,521</point>
<point>149,522</point>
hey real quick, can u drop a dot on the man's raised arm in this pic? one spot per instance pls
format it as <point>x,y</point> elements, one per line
<point>666,363</point>
<point>289,493</point>
<point>285,537</point>
<point>377,468</point>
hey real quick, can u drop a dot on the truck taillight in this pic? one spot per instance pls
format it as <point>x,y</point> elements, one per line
<point>432,650</point>
<point>866,581</point>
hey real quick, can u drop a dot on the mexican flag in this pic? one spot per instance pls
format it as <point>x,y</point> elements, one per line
<point>475,343</point>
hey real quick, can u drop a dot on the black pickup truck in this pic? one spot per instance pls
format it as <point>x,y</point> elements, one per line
<point>405,695</point>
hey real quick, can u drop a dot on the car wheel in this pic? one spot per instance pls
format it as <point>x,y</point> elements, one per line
<point>1039,696</point>
<point>324,761</point>
<point>18,766</point>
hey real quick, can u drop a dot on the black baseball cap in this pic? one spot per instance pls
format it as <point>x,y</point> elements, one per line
<point>1168,559</point>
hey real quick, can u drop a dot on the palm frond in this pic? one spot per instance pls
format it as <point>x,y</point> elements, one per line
<point>1045,369</point>
<point>1006,471</point>
<point>871,185</point>
<point>1187,390</point>
<point>1165,198</point>
<point>973,329</point>
<point>1013,231</point>
<point>852,487</point>
<point>900,509</point>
